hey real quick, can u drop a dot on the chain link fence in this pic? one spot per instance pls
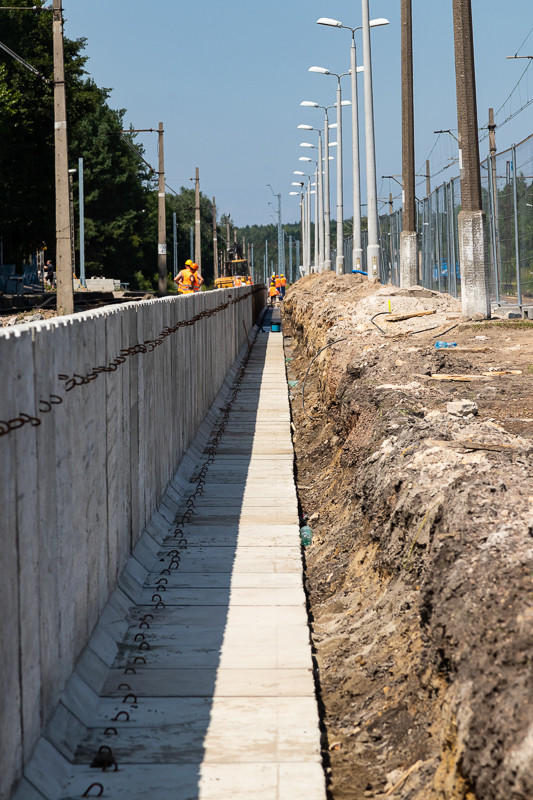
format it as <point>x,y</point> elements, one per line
<point>507,196</point>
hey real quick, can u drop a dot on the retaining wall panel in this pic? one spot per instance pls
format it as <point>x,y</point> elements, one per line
<point>82,485</point>
<point>26,477</point>
<point>10,689</point>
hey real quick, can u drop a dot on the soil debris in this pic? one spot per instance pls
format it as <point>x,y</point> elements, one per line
<point>420,572</point>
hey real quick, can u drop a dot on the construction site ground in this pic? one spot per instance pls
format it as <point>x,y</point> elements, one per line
<point>414,467</point>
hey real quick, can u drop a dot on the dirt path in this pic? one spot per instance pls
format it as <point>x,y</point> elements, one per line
<point>420,574</point>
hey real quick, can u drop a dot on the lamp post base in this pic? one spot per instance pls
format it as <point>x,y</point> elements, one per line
<point>408,259</point>
<point>475,297</point>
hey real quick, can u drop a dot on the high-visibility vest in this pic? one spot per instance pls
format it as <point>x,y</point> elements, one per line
<point>273,291</point>
<point>188,282</point>
<point>249,282</point>
<point>278,281</point>
<point>283,281</point>
<point>195,282</point>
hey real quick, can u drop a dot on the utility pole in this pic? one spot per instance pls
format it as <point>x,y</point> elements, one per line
<point>474,273</point>
<point>161,219</point>
<point>175,241</point>
<point>65,290</point>
<point>495,205</point>
<point>408,239</point>
<point>428,179</point>
<point>215,240</point>
<point>197,229</point>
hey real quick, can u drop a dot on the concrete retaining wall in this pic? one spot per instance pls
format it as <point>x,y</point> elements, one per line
<point>86,458</point>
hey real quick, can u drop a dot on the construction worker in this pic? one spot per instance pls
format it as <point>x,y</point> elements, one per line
<point>249,281</point>
<point>273,293</point>
<point>185,278</point>
<point>198,280</point>
<point>283,283</point>
<point>238,281</point>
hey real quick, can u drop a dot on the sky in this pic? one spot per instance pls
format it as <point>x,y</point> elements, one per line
<point>227,78</point>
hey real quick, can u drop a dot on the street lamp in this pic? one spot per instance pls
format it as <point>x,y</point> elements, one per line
<point>281,253</point>
<point>339,265</point>
<point>354,69</point>
<point>373,250</point>
<point>326,193</point>
<point>320,190</point>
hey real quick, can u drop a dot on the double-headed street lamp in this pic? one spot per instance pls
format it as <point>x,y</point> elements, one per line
<point>281,249</point>
<point>354,69</point>
<point>339,262</point>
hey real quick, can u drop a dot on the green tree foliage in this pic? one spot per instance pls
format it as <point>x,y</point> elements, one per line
<point>115,178</point>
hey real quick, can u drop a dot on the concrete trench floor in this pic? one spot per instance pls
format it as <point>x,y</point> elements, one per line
<point>200,685</point>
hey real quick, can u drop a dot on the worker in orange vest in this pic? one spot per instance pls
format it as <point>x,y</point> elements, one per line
<point>185,279</point>
<point>197,278</point>
<point>249,281</point>
<point>272,293</point>
<point>283,283</point>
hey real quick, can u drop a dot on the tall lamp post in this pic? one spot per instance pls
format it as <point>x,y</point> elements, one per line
<point>281,249</point>
<point>326,193</point>
<point>320,202</point>
<point>373,249</point>
<point>354,70</point>
<point>339,262</point>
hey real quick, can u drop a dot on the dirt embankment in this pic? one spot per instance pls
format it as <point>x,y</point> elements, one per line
<point>420,574</point>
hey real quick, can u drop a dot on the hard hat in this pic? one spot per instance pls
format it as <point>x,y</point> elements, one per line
<point>282,275</point>
<point>194,266</point>
<point>188,263</point>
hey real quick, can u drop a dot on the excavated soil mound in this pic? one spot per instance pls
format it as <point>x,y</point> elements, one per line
<point>414,467</point>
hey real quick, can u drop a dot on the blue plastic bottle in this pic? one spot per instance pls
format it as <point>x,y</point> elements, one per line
<point>440,345</point>
<point>306,535</point>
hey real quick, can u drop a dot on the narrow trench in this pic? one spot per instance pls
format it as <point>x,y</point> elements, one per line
<point>324,742</point>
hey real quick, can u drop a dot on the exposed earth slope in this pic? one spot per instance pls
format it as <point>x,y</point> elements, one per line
<point>420,573</point>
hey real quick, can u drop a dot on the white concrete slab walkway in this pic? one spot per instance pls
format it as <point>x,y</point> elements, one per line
<point>199,677</point>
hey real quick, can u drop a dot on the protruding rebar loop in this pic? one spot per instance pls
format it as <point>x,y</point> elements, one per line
<point>126,699</point>
<point>130,671</point>
<point>144,646</point>
<point>139,660</point>
<point>74,380</point>
<point>144,624</point>
<point>119,716</point>
<point>91,787</point>
<point>139,637</point>
<point>148,616</point>
<point>110,732</point>
<point>124,686</point>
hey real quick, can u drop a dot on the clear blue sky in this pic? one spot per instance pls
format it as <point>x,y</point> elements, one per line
<point>227,78</point>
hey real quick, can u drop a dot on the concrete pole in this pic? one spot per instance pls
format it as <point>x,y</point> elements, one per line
<point>302,230</point>
<point>81,197</point>
<point>308,243</point>
<point>161,218</point>
<point>472,256</point>
<point>175,244</point>
<point>197,228</point>
<point>327,213</point>
<point>290,259</point>
<point>339,261</point>
<point>215,240</point>
<point>373,250</point>
<point>428,179</point>
<point>317,246</point>
<point>297,259</point>
<point>65,290</point>
<point>408,239</point>
<point>320,205</point>
<point>357,254</point>
<point>495,206</point>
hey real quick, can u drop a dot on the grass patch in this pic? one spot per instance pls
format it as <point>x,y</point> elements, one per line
<point>521,324</point>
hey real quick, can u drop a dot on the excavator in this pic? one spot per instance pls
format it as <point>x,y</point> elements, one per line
<point>235,270</point>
